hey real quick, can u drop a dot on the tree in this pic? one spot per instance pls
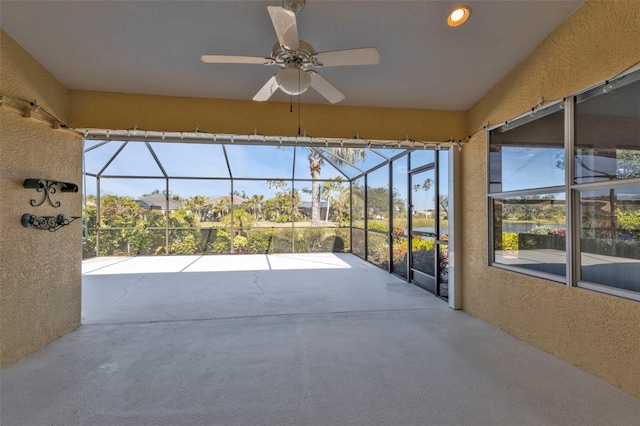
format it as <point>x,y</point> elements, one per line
<point>341,156</point>
<point>443,201</point>
<point>378,202</point>
<point>284,206</point>
<point>330,190</point>
<point>254,204</point>
<point>197,206</point>
<point>242,220</point>
<point>529,207</point>
<point>399,204</point>
<point>426,185</point>
<point>222,206</point>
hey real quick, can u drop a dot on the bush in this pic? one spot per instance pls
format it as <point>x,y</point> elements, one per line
<point>239,242</point>
<point>313,239</point>
<point>376,226</point>
<point>281,245</point>
<point>378,249</point>
<point>509,242</point>
<point>222,243</point>
<point>302,245</point>
<point>357,244</point>
<point>542,230</point>
<point>419,244</point>
<point>186,245</point>
<point>345,235</point>
<point>260,240</point>
<point>333,244</point>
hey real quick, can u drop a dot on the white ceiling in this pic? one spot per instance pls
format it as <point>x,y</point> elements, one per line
<point>154,47</point>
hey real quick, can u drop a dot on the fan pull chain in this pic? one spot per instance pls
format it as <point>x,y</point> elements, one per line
<point>299,96</point>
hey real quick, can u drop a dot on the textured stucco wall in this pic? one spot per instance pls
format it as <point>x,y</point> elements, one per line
<point>39,270</point>
<point>596,332</point>
<point>163,113</point>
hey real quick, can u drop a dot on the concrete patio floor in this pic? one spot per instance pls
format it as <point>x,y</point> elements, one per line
<point>318,339</point>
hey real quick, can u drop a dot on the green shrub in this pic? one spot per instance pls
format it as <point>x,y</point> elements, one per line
<point>222,243</point>
<point>418,244</point>
<point>333,244</point>
<point>186,244</point>
<point>313,239</point>
<point>302,245</point>
<point>345,235</point>
<point>281,245</point>
<point>239,241</point>
<point>376,226</point>
<point>541,230</point>
<point>509,241</point>
<point>260,240</point>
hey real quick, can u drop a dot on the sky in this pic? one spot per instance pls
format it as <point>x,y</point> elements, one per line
<point>208,161</point>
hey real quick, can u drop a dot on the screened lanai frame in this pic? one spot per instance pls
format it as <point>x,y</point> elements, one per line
<point>384,158</point>
<point>346,169</point>
<point>164,175</point>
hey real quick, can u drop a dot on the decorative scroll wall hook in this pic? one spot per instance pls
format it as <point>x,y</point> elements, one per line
<point>48,187</point>
<point>46,223</point>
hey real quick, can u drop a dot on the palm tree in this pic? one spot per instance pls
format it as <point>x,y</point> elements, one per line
<point>330,189</point>
<point>196,205</point>
<point>222,206</point>
<point>341,156</point>
<point>254,204</point>
<point>427,186</point>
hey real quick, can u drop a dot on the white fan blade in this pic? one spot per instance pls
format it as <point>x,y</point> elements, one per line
<point>325,88</point>
<point>229,59</point>
<point>284,22</point>
<point>337,58</point>
<point>267,90</point>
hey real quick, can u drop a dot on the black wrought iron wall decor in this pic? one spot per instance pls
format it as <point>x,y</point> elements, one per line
<point>48,187</point>
<point>47,223</point>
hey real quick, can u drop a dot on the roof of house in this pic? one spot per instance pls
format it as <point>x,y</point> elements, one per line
<point>159,202</point>
<point>237,200</point>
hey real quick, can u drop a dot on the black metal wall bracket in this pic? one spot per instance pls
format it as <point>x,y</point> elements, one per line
<point>48,187</point>
<point>46,223</point>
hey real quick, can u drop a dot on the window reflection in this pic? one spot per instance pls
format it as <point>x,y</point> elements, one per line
<point>530,232</point>
<point>528,156</point>
<point>610,237</point>
<point>607,126</point>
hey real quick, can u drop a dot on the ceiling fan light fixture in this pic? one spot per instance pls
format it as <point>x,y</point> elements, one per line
<point>293,81</point>
<point>458,16</point>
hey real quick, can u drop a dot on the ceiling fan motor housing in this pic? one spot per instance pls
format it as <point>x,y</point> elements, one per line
<point>304,56</point>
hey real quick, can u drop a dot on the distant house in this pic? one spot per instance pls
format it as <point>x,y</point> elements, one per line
<point>215,201</point>
<point>237,200</point>
<point>158,202</point>
<point>305,208</point>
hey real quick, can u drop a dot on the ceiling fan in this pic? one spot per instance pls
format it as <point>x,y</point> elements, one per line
<point>297,58</point>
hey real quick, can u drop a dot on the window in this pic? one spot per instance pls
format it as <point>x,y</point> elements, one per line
<point>527,184</point>
<point>590,238</point>
<point>607,172</point>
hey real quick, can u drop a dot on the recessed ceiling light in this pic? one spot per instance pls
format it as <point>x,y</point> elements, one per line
<point>459,16</point>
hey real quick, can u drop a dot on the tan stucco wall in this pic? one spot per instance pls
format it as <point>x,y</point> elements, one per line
<point>162,113</point>
<point>39,270</point>
<point>596,332</point>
